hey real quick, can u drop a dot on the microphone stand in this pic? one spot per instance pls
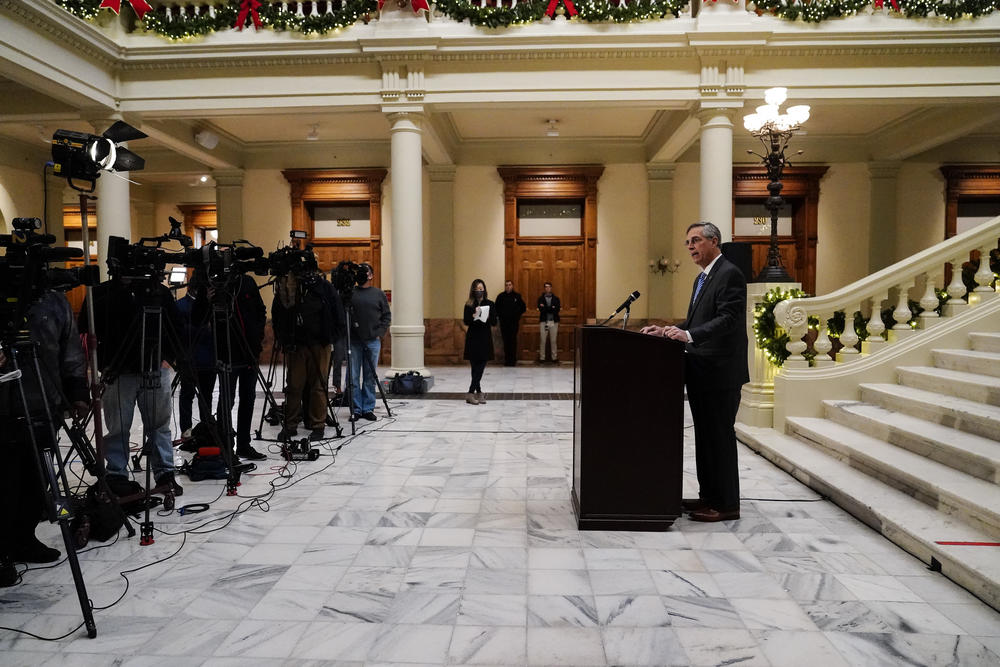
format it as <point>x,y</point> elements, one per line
<point>628,311</point>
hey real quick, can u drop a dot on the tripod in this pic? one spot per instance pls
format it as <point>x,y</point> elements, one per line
<point>43,438</point>
<point>370,366</point>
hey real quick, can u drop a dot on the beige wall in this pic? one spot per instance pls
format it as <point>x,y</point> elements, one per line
<point>21,195</point>
<point>842,226</point>
<point>267,208</point>
<point>479,250</point>
<point>920,220</point>
<point>622,238</point>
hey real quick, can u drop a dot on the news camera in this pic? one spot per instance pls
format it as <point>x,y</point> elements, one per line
<point>347,275</point>
<point>25,273</point>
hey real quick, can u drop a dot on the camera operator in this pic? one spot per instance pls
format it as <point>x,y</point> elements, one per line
<point>119,307</point>
<point>63,367</point>
<point>306,318</point>
<point>197,335</point>
<point>371,318</point>
<point>250,315</point>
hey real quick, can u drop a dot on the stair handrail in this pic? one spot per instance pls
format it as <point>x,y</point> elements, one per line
<point>925,267</point>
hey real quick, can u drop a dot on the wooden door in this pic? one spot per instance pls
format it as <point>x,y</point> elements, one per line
<point>567,261</point>
<point>562,264</point>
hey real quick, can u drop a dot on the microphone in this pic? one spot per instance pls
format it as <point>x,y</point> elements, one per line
<point>626,303</point>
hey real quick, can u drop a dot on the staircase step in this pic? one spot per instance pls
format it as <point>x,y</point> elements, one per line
<point>972,454</point>
<point>977,418</point>
<point>941,487</point>
<point>970,386</point>
<point>985,342</point>
<point>970,361</point>
<point>904,520</point>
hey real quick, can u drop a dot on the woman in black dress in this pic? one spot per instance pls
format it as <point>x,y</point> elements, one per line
<point>480,317</point>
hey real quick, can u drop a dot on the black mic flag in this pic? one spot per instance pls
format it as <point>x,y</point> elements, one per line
<point>626,303</point>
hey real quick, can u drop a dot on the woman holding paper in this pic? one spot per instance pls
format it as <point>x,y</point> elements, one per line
<point>480,317</point>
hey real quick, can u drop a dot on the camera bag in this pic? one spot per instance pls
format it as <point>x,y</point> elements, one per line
<point>410,382</point>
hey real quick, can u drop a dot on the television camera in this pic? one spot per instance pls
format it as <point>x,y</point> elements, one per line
<point>25,273</point>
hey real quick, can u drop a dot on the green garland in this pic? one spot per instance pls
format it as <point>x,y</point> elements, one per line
<point>821,10</point>
<point>530,11</point>
<point>771,339</point>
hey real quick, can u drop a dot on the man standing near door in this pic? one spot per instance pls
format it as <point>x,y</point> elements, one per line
<point>548,322</point>
<point>510,307</point>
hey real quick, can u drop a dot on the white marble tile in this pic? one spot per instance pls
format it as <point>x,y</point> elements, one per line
<point>580,647</point>
<point>643,646</point>
<point>562,610</point>
<point>493,610</point>
<point>554,558</point>
<point>708,646</point>
<point>631,611</point>
<point>685,584</point>
<point>418,608</point>
<point>771,614</point>
<point>262,639</point>
<point>914,617</point>
<point>336,643</point>
<point>622,582</point>
<point>412,643</point>
<point>559,582</point>
<point>479,645</point>
<point>877,587</point>
<point>701,612</point>
<point>789,648</point>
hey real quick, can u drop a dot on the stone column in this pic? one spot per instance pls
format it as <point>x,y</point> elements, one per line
<point>882,214</point>
<point>663,240</point>
<point>716,187</point>
<point>229,204</point>
<point>406,167</point>
<point>114,210</point>
<point>441,237</point>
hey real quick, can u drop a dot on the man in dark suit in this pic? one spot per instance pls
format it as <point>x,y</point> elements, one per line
<point>715,369</point>
<point>510,307</point>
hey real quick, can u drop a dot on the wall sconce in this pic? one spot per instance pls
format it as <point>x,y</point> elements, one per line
<point>664,265</point>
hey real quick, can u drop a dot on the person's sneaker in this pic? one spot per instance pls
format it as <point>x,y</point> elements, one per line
<point>33,551</point>
<point>8,573</point>
<point>370,416</point>
<point>167,479</point>
<point>286,434</point>
<point>355,417</point>
<point>250,454</point>
<point>317,434</point>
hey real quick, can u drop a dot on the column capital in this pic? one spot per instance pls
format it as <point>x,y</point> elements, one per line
<point>397,112</point>
<point>660,171</point>
<point>884,169</point>
<point>441,173</point>
<point>709,109</point>
<point>228,177</point>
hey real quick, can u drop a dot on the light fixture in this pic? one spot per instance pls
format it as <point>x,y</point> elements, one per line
<point>313,133</point>
<point>552,129</point>
<point>774,129</point>
<point>207,139</point>
<point>663,265</point>
<point>203,179</point>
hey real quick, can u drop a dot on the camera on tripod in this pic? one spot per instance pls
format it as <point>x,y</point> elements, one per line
<point>348,275</point>
<point>25,273</point>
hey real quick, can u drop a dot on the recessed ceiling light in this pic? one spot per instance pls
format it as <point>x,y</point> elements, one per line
<point>203,179</point>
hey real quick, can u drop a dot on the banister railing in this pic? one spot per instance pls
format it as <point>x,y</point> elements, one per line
<point>923,271</point>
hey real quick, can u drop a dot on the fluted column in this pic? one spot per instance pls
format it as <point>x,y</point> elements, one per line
<point>716,188</point>
<point>114,212</point>
<point>882,214</point>
<point>229,204</point>
<point>407,328</point>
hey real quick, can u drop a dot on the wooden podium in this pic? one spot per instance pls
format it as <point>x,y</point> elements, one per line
<point>628,430</point>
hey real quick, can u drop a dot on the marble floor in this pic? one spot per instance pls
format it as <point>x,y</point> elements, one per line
<point>444,535</point>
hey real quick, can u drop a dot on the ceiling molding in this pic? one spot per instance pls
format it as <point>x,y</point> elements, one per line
<point>75,33</point>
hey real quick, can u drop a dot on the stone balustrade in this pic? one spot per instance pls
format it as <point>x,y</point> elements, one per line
<point>916,278</point>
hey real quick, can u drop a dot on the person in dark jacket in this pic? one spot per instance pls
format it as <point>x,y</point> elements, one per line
<point>370,320</point>
<point>199,381</point>
<point>64,377</point>
<point>510,307</point>
<point>306,323</point>
<point>133,374</point>
<point>480,317</point>
<point>246,340</point>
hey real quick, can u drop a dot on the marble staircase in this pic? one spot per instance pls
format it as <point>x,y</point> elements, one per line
<point>918,460</point>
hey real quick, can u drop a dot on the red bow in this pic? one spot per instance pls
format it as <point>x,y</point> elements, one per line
<point>879,3</point>
<point>551,9</point>
<point>140,7</point>
<point>248,7</point>
<point>416,4</point>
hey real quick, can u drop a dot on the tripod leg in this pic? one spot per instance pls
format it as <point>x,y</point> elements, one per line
<point>381,391</point>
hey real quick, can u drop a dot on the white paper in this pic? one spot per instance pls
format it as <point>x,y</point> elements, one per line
<point>484,313</point>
